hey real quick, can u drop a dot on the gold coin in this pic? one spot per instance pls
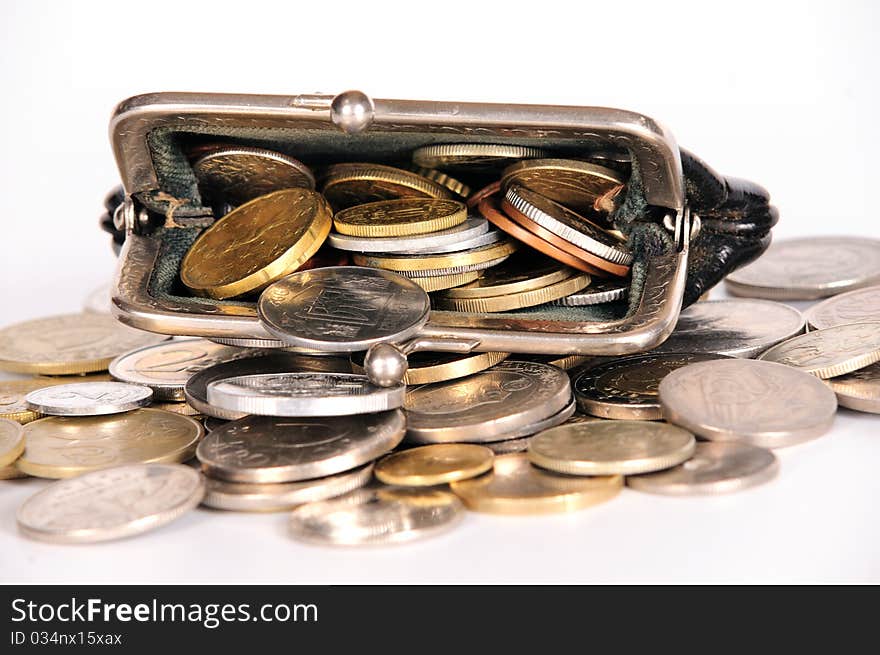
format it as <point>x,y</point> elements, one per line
<point>70,343</point>
<point>524,271</point>
<point>427,368</point>
<point>347,185</point>
<point>458,188</point>
<point>472,155</point>
<point>184,409</point>
<point>514,486</point>
<point>519,300</point>
<point>440,282</point>
<point>11,472</point>
<point>578,185</point>
<point>435,464</point>
<point>12,393</point>
<point>62,447</point>
<point>256,244</point>
<point>11,441</point>
<point>449,260</point>
<point>401,217</point>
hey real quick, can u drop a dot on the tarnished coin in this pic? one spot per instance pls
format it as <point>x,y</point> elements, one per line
<point>11,441</point>
<point>756,402</point>
<point>598,292</point>
<point>488,406</point>
<point>736,327</point>
<point>859,306</point>
<point>859,390</point>
<point>440,282</point>
<point>400,217</point>
<point>435,464</point>
<point>519,300</point>
<point>166,367</point>
<point>111,504</point>
<point>349,184</point>
<point>240,174</point>
<point>830,352</point>
<point>12,397</point>
<point>428,367</point>
<point>88,398</point>
<point>472,155</point>
<point>376,516</point>
<point>626,387</point>
<point>809,268</point>
<point>304,394</point>
<point>578,185</point>
<point>343,308</point>
<point>269,449</point>
<point>611,447</point>
<point>62,446</point>
<point>515,486</point>
<point>258,242</point>
<point>276,497</point>
<point>464,232</point>
<point>458,188</point>
<point>98,301</point>
<point>523,271</point>
<point>449,262</point>
<point>196,388</point>
<point>715,468</point>
<point>70,343</point>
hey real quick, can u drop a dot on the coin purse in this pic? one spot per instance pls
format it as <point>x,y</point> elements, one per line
<point>686,225</point>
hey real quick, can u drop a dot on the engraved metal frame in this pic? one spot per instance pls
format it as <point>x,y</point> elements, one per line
<point>650,144</point>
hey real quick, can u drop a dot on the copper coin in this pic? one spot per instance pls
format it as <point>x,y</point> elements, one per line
<point>524,221</point>
<point>489,209</point>
<point>477,197</point>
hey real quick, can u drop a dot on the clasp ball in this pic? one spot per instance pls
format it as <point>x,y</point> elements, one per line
<point>352,111</point>
<point>385,365</point>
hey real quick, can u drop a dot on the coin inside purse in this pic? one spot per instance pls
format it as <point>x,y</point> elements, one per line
<point>178,214</point>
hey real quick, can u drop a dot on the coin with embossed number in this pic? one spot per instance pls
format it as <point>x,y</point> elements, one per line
<point>63,446</point>
<point>279,496</point>
<point>738,327</point>
<point>88,398</point>
<point>11,441</point>
<point>756,402</point>
<point>304,394</point>
<point>12,397</point>
<point>626,387</point>
<point>489,406</point>
<point>166,367</point>
<point>515,486</point>
<point>809,268</point>
<point>270,449</point>
<point>435,464</point>
<point>859,306</point>
<point>715,468</point>
<point>196,388</point>
<point>611,447</point>
<point>111,504</point>
<point>859,390</point>
<point>830,352</point>
<point>376,516</point>
<point>70,343</point>
<point>343,309</point>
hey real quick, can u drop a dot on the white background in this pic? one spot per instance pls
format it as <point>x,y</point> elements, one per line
<point>782,93</point>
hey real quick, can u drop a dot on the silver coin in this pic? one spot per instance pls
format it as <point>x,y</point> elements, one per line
<point>343,308</point>
<point>859,306</point>
<point>715,468</point>
<point>496,404</point>
<point>809,268</point>
<point>88,398</point>
<point>377,516</point>
<point>598,292</point>
<point>626,387</point>
<point>111,503</point>
<point>166,367</point>
<point>250,497</point>
<point>756,402</point>
<point>485,239</point>
<point>830,352</point>
<point>518,440</point>
<point>98,301</point>
<point>472,228</point>
<point>454,270</point>
<point>196,388</point>
<point>269,449</point>
<point>859,390</point>
<point>249,343</point>
<point>736,327</point>
<point>211,423</point>
<point>304,394</point>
